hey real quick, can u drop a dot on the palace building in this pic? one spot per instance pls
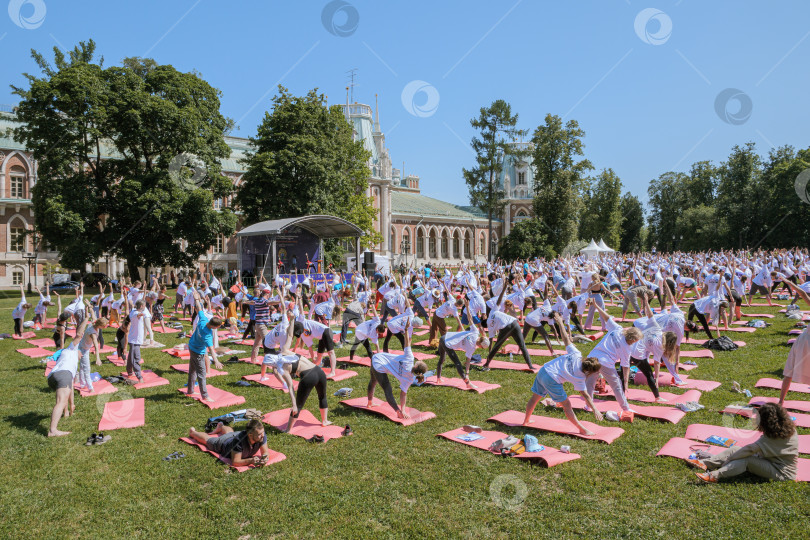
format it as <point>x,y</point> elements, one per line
<point>416,229</point>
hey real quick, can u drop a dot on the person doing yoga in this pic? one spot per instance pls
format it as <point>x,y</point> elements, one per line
<point>403,368</point>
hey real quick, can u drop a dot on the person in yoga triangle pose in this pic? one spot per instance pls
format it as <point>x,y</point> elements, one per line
<point>570,368</point>
<point>285,364</point>
<point>61,378</point>
<point>403,368</point>
<point>466,341</point>
<point>506,326</point>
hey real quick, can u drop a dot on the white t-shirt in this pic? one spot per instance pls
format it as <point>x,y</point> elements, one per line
<point>612,347</point>
<point>567,368</point>
<point>278,361</point>
<point>448,309</point>
<point>137,331</point>
<point>463,341</point>
<point>19,311</point>
<point>275,338</point>
<point>399,366</point>
<point>497,321</point>
<point>41,308</point>
<point>367,330</point>
<point>312,330</point>
<point>650,343</point>
<point>68,360</point>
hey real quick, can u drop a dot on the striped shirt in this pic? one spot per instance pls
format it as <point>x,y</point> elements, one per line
<point>262,306</point>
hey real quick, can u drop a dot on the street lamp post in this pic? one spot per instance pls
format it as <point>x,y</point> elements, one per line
<point>405,247</point>
<point>30,257</point>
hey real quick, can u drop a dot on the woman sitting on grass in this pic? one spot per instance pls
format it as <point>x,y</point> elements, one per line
<point>569,368</point>
<point>773,456</point>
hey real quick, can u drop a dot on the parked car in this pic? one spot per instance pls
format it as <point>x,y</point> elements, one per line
<point>63,287</point>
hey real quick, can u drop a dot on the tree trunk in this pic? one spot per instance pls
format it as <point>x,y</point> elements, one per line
<point>489,215</point>
<point>134,271</point>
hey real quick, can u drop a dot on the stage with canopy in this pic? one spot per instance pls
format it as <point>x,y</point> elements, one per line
<point>262,245</point>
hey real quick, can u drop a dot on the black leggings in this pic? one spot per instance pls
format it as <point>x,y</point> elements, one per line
<point>356,344</point>
<point>382,379</point>
<point>249,330</point>
<point>349,316</point>
<point>528,327</point>
<point>420,310</point>
<point>758,289</point>
<point>326,343</point>
<point>693,312</point>
<point>311,378</point>
<point>512,330</point>
<point>388,335</point>
<point>445,350</point>
<point>18,327</point>
<point>643,366</point>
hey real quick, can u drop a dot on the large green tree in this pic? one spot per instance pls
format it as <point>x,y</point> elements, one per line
<point>667,199</point>
<point>558,177</point>
<point>306,161</point>
<point>526,240</point>
<point>632,231</point>
<point>736,200</point>
<point>112,146</point>
<point>497,129</point>
<point>602,212</point>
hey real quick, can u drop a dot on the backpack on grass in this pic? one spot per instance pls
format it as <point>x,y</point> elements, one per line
<point>723,343</point>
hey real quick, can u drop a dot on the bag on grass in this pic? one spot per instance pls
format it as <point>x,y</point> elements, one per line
<point>504,444</point>
<point>756,323</point>
<point>723,343</point>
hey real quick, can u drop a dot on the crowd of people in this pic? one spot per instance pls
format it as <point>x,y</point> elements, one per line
<point>490,305</point>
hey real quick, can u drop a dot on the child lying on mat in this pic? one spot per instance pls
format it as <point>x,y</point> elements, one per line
<point>773,456</point>
<point>240,447</point>
<point>567,368</point>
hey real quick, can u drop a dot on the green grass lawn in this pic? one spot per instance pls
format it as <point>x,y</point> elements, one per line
<point>384,481</point>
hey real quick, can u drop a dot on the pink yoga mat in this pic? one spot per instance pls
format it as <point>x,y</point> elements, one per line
<point>791,404</point>
<point>744,437</point>
<point>700,342</point>
<point>26,335</point>
<point>758,315</point>
<point>305,426</point>
<point>128,413</point>
<point>767,382</point>
<point>791,341</point>
<point>35,352</point>
<point>514,349</point>
<point>179,353</point>
<point>743,329</point>
<point>150,379</point>
<point>646,396</point>
<point>702,353</point>
<point>667,414</point>
<point>548,456</point>
<point>120,362</point>
<point>559,425</point>
<point>794,332</point>
<point>273,457</point>
<point>41,342</point>
<point>210,372</point>
<point>383,408</point>
<point>247,359</point>
<point>416,354</point>
<point>358,360</point>
<point>221,397</point>
<point>99,387</point>
<point>459,384</point>
<point>801,420</point>
<point>665,379</point>
<point>270,381</point>
<point>159,330</point>
<point>516,366</point>
<point>49,366</point>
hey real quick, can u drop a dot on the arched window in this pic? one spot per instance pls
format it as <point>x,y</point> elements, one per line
<point>420,243</point>
<point>483,245</point>
<point>16,235</point>
<point>456,245</point>
<point>467,245</point>
<point>406,241</point>
<point>445,242</point>
<point>432,244</point>
<point>17,183</point>
<point>392,241</point>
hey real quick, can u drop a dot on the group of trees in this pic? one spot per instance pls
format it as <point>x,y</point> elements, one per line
<point>129,161</point>
<point>568,203</point>
<point>745,201</point>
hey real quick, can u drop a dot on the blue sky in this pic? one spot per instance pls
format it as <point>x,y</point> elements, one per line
<point>645,94</point>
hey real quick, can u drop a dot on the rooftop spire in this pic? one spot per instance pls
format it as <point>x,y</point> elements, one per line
<point>376,114</point>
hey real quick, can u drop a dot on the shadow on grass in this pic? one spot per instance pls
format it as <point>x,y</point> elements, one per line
<point>30,421</point>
